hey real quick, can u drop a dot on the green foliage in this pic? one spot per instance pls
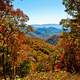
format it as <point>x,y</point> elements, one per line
<point>72,7</point>
<point>23,69</point>
<point>41,67</point>
<point>7,69</point>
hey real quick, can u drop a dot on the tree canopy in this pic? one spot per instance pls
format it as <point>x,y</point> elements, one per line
<point>13,48</point>
<point>71,39</point>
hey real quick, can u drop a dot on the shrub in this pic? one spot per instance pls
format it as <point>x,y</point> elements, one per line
<point>23,69</point>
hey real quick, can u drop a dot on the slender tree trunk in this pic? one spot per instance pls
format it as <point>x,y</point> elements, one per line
<point>13,74</point>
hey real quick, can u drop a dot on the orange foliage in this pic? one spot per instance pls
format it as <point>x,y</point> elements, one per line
<point>62,57</point>
<point>21,38</point>
<point>15,40</point>
<point>6,6</point>
<point>33,67</point>
<point>19,49</point>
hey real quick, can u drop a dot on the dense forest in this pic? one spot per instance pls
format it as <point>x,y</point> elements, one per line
<point>23,57</point>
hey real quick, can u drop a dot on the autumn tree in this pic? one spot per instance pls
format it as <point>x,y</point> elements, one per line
<point>70,40</point>
<point>13,48</point>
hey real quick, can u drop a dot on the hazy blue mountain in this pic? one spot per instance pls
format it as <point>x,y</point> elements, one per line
<point>53,39</point>
<point>46,30</point>
<point>47,25</point>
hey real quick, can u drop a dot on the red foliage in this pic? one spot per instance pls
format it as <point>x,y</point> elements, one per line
<point>2,29</point>
<point>58,66</point>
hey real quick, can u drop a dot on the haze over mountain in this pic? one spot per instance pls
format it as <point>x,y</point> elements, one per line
<point>44,31</point>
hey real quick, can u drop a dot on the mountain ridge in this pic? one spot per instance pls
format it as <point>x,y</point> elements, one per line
<point>44,31</point>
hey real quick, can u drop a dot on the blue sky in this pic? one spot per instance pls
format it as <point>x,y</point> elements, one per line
<point>42,11</point>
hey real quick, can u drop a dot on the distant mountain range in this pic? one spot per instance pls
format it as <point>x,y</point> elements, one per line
<point>46,30</point>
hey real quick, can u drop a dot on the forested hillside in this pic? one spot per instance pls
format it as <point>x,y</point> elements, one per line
<point>23,57</point>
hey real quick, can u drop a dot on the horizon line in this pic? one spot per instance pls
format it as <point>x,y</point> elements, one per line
<point>44,24</point>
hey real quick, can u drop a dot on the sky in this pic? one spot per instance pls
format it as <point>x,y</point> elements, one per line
<point>42,11</point>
